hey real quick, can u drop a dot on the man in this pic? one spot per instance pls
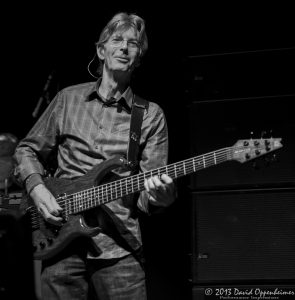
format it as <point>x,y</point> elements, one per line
<point>87,124</point>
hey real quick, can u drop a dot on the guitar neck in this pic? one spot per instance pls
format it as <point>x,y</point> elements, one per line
<point>108,192</point>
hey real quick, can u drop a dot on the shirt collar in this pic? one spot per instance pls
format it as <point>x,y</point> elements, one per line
<point>127,95</point>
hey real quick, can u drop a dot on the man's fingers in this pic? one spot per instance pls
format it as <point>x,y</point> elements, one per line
<point>47,205</point>
<point>158,182</point>
<point>166,179</point>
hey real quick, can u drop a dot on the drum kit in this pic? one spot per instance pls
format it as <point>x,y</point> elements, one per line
<point>10,194</point>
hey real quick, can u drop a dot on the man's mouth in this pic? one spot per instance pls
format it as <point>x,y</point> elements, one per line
<point>122,59</point>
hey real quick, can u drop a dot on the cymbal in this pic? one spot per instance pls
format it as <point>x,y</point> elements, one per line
<point>8,143</point>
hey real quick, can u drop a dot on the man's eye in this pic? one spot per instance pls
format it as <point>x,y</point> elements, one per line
<point>133,43</point>
<point>116,40</point>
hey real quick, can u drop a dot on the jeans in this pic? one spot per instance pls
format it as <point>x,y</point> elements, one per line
<point>75,277</point>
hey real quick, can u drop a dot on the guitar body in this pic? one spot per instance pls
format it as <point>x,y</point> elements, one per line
<point>48,239</point>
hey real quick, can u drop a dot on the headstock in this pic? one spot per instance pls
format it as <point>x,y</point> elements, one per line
<point>245,150</point>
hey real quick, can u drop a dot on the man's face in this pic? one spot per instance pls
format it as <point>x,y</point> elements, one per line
<point>121,52</point>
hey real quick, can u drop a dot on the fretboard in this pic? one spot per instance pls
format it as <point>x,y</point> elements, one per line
<point>108,192</point>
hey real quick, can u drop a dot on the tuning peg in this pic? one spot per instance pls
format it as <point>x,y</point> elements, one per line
<point>256,143</point>
<point>267,145</point>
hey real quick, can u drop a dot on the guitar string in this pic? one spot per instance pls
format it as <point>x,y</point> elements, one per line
<point>101,191</point>
<point>94,193</point>
<point>97,192</point>
<point>36,218</point>
<point>140,183</point>
<point>126,186</point>
<point>124,190</point>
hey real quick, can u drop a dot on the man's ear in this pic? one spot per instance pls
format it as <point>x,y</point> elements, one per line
<point>100,52</point>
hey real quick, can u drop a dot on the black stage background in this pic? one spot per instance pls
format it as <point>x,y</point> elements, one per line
<point>53,41</point>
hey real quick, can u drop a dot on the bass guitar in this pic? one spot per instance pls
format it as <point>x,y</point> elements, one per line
<point>86,193</point>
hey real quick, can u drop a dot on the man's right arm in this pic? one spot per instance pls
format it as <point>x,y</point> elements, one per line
<point>34,149</point>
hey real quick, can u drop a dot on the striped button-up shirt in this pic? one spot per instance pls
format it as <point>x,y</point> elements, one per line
<point>85,131</point>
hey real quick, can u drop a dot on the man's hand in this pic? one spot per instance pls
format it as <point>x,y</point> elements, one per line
<point>46,204</point>
<point>161,190</point>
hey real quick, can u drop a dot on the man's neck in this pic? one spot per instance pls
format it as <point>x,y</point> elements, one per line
<point>111,85</point>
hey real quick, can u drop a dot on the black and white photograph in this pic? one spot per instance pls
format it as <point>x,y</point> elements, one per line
<point>147,151</point>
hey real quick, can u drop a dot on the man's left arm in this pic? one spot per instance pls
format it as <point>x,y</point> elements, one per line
<point>159,190</point>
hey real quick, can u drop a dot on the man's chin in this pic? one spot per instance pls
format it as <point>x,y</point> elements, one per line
<point>122,69</point>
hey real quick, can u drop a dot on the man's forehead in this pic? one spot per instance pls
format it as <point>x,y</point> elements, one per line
<point>126,29</point>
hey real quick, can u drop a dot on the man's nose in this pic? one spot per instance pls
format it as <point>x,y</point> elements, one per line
<point>124,44</point>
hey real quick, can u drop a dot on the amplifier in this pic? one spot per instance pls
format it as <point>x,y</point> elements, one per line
<point>218,124</point>
<point>243,236</point>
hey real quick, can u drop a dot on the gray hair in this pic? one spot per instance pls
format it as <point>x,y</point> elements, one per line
<point>122,21</point>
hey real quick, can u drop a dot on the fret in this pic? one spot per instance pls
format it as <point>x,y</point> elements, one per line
<point>80,200</point>
<point>184,169</point>
<point>204,162</point>
<point>166,170</point>
<point>66,211</point>
<point>77,202</point>
<point>214,153</point>
<point>104,193</point>
<point>113,190</point>
<point>126,186</point>
<point>116,190</point>
<point>149,174</point>
<point>120,183</point>
<point>85,196</point>
<point>96,195</point>
<point>69,205</point>
<point>109,191</point>
<point>88,199</point>
<point>82,196</point>
<point>130,185</point>
<point>194,165</point>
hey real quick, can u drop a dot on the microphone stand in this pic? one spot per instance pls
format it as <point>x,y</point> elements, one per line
<point>43,96</point>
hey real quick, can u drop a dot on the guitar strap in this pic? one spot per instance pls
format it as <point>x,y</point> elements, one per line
<point>138,107</point>
<point>126,238</point>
